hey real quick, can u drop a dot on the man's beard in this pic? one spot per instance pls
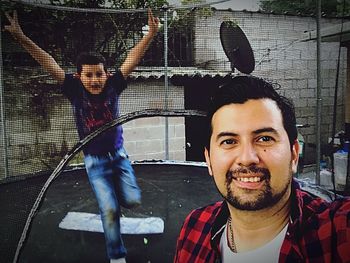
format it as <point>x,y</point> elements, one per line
<point>264,198</point>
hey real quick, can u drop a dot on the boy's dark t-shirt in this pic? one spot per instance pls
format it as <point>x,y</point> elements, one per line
<point>93,111</point>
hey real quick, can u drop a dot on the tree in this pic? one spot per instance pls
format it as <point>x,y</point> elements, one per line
<point>65,33</point>
<point>306,7</point>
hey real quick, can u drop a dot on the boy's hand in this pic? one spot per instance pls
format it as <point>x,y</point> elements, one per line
<point>14,28</point>
<point>153,23</point>
<point>40,55</point>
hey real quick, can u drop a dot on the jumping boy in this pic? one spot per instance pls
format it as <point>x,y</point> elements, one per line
<point>94,93</point>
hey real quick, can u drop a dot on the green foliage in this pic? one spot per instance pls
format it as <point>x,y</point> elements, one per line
<point>232,22</point>
<point>65,34</point>
<point>115,4</point>
<point>306,7</point>
<point>204,11</point>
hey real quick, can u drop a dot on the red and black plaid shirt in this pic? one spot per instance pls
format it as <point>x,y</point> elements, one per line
<point>318,232</point>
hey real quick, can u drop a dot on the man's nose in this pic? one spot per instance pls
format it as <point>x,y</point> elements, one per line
<point>247,155</point>
<point>94,78</point>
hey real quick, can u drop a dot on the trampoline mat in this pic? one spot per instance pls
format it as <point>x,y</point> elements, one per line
<point>169,191</point>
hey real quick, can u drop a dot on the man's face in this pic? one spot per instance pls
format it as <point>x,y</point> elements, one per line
<point>250,156</point>
<point>93,78</point>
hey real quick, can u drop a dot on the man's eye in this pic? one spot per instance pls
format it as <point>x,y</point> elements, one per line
<point>88,75</point>
<point>265,139</point>
<point>228,142</point>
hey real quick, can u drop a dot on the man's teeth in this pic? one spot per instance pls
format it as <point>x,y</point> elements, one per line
<point>249,179</point>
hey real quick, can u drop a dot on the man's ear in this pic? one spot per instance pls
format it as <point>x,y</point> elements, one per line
<point>207,160</point>
<point>76,75</point>
<point>295,156</point>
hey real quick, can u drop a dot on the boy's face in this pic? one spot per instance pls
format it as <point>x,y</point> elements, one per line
<point>93,78</point>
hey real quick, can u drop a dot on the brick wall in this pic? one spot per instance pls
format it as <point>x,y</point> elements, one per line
<point>282,58</point>
<point>145,137</point>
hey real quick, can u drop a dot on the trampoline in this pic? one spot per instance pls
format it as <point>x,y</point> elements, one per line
<point>169,191</point>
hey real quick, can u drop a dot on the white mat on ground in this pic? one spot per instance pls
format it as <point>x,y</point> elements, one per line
<point>92,222</point>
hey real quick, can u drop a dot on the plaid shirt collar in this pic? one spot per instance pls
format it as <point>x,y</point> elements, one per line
<point>219,226</point>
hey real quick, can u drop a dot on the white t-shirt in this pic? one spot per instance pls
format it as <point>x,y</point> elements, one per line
<point>268,253</point>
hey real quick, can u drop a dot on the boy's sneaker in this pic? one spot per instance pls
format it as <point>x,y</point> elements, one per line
<point>118,260</point>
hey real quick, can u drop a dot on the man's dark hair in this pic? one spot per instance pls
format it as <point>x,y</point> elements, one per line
<point>90,58</point>
<point>243,88</point>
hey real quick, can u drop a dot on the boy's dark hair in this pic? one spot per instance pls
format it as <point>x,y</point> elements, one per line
<point>243,88</point>
<point>90,58</point>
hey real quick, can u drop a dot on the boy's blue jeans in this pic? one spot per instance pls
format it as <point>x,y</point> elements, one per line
<point>113,181</point>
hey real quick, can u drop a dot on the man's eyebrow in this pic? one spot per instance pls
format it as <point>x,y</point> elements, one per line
<point>267,129</point>
<point>258,131</point>
<point>223,134</point>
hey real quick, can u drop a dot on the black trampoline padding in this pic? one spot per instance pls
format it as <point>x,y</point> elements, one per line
<point>169,191</point>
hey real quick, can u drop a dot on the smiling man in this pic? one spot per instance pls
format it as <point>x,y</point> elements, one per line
<point>252,153</point>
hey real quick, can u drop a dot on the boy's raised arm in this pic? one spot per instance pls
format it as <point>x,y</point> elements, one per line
<point>136,53</point>
<point>40,55</point>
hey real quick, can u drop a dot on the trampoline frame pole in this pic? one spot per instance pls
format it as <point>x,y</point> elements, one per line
<point>318,95</point>
<point>2,111</point>
<point>166,83</point>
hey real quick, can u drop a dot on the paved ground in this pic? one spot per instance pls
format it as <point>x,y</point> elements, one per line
<point>169,192</point>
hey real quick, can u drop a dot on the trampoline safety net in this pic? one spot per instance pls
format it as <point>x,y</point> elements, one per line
<point>170,87</point>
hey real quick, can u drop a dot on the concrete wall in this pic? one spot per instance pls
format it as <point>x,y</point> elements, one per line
<point>37,138</point>
<point>283,59</point>
<point>145,137</point>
